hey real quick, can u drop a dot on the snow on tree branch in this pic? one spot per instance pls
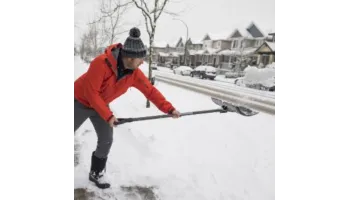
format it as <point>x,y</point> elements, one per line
<point>144,11</point>
<point>147,26</point>
<point>161,9</point>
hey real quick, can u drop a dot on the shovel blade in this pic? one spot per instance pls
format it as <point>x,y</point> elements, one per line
<point>234,108</point>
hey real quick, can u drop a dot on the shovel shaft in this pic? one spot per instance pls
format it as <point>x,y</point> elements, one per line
<point>203,112</point>
<point>127,120</point>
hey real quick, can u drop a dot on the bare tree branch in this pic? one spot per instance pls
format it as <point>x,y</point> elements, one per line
<point>109,13</point>
<point>155,10</point>
<point>171,13</point>
<point>147,26</point>
<point>122,5</point>
<point>144,3</point>
<point>161,10</point>
<point>109,21</point>
<point>144,11</point>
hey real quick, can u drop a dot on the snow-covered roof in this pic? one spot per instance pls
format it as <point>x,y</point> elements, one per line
<point>209,50</point>
<point>227,52</point>
<point>269,37</point>
<point>196,41</point>
<point>196,52</point>
<point>271,45</point>
<point>170,54</point>
<point>219,36</point>
<point>163,54</point>
<point>206,51</point>
<point>255,31</point>
<point>246,51</point>
<point>159,43</point>
<point>236,34</point>
<point>176,54</point>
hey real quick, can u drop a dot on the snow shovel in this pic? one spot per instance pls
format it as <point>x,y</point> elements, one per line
<point>225,107</point>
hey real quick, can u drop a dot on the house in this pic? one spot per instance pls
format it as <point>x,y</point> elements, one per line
<point>244,44</point>
<point>157,48</point>
<point>194,52</point>
<point>271,37</point>
<point>266,53</point>
<point>212,44</point>
<point>168,55</point>
<point>194,44</point>
<point>227,51</point>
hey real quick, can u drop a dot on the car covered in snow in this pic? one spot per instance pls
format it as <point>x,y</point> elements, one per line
<point>261,79</point>
<point>183,70</point>
<point>204,72</point>
<point>232,74</point>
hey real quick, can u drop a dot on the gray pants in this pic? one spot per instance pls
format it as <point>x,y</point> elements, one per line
<point>102,128</point>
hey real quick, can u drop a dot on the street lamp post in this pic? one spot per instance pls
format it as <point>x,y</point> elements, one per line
<point>186,38</point>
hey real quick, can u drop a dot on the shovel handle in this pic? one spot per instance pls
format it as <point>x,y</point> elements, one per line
<point>123,121</point>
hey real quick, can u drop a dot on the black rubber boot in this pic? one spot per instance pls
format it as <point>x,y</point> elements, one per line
<point>98,165</point>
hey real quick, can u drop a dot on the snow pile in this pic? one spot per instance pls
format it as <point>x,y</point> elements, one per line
<point>264,76</point>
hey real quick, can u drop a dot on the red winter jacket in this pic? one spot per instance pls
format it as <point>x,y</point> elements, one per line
<point>99,86</point>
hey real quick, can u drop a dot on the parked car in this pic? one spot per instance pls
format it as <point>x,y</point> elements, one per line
<point>168,64</point>
<point>183,70</point>
<point>230,75</point>
<point>154,66</point>
<point>234,74</point>
<point>204,72</point>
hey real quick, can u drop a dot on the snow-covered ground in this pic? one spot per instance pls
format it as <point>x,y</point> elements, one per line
<point>211,156</point>
<point>222,78</point>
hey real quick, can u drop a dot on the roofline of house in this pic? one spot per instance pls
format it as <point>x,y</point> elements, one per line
<point>268,46</point>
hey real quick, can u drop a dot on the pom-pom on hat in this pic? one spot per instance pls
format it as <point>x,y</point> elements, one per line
<point>133,45</point>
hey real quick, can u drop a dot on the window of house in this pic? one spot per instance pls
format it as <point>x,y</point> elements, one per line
<point>219,43</point>
<point>258,43</point>
<point>235,44</point>
<point>249,43</point>
<point>226,58</point>
<point>265,59</point>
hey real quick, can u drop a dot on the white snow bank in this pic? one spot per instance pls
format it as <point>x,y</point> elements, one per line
<point>264,76</point>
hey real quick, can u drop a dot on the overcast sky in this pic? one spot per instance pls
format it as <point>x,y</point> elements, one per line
<point>201,17</point>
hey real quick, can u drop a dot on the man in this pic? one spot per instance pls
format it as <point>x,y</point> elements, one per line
<point>108,77</point>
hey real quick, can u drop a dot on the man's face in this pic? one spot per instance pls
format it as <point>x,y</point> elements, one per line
<point>133,63</point>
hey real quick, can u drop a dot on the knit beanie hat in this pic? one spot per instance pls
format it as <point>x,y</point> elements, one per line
<point>133,45</point>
